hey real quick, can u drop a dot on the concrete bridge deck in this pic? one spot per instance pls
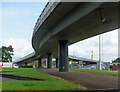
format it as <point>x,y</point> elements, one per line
<point>64,23</point>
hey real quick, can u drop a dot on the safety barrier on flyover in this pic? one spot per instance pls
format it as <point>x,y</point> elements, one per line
<point>45,13</point>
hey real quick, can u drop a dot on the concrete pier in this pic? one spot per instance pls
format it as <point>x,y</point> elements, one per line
<point>49,60</point>
<point>39,63</point>
<point>57,63</point>
<point>63,55</point>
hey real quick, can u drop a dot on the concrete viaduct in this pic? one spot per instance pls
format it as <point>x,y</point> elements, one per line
<point>30,58</point>
<point>64,23</point>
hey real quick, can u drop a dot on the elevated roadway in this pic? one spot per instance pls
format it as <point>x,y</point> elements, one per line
<point>31,58</point>
<point>64,23</point>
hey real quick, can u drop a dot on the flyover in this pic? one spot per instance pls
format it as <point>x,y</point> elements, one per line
<point>31,58</point>
<point>64,23</point>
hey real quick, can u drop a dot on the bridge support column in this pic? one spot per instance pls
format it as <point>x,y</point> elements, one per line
<point>57,63</point>
<point>25,64</point>
<point>19,66</point>
<point>39,63</point>
<point>49,60</point>
<point>63,55</point>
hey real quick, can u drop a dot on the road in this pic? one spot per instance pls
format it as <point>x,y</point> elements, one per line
<point>88,80</point>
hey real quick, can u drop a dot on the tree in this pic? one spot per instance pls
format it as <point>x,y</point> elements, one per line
<point>6,53</point>
<point>54,63</point>
<point>116,61</point>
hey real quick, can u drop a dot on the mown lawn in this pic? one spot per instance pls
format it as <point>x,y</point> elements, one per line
<point>50,83</point>
<point>107,72</point>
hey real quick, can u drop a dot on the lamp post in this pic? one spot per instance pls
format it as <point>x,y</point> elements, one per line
<point>102,48</point>
<point>99,52</point>
<point>91,55</point>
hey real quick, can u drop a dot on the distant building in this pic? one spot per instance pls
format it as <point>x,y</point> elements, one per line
<point>6,64</point>
<point>114,66</point>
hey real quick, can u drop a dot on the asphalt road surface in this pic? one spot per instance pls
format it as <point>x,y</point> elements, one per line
<point>88,80</point>
<point>7,79</point>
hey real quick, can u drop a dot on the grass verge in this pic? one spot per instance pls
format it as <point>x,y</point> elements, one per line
<point>50,83</point>
<point>106,72</point>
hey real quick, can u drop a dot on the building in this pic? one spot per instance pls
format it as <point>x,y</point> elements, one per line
<point>114,66</point>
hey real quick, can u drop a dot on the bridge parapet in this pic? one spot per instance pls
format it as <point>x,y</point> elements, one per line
<point>50,6</point>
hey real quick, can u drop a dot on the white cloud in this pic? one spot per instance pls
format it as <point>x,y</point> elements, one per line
<point>1,21</point>
<point>21,46</point>
<point>110,47</point>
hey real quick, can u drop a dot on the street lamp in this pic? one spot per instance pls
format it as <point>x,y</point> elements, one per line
<point>99,52</point>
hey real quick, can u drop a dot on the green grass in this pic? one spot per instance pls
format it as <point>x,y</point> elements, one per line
<point>50,83</point>
<point>29,72</point>
<point>36,85</point>
<point>106,72</point>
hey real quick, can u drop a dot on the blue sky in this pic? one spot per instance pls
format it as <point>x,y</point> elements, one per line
<point>18,20</point>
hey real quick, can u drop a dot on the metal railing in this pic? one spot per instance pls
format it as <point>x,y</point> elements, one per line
<point>50,6</point>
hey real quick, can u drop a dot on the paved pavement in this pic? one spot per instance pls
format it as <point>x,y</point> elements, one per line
<point>89,80</point>
<point>7,79</point>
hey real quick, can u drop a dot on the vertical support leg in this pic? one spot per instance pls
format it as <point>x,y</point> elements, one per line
<point>25,64</point>
<point>49,60</point>
<point>19,66</point>
<point>57,63</point>
<point>63,56</point>
<point>39,63</point>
